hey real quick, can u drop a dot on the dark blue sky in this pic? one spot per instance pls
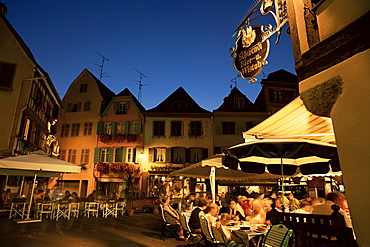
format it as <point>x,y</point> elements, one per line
<point>174,42</point>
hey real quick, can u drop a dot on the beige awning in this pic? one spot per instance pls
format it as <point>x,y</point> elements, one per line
<point>293,121</point>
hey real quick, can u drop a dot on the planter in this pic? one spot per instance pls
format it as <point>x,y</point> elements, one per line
<point>130,212</point>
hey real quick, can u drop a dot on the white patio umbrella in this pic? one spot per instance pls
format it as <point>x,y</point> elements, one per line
<point>212,168</point>
<point>37,163</point>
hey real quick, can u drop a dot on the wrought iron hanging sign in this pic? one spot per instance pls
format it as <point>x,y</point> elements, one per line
<point>252,45</point>
<point>251,51</point>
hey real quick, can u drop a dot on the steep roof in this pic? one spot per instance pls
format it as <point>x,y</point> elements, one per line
<point>179,102</point>
<point>228,104</point>
<point>127,92</point>
<point>282,76</point>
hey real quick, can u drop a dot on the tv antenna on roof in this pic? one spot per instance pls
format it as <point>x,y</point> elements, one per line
<point>101,66</point>
<point>140,84</point>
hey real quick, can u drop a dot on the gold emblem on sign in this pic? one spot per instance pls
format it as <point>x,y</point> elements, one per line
<point>248,36</point>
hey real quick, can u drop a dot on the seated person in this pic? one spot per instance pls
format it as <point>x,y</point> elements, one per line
<point>211,212</point>
<point>171,215</point>
<point>257,214</point>
<point>231,238</point>
<point>75,197</point>
<point>304,208</point>
<point>267,202</point>
<point>39,196</point>
<point>194,221</point>
<point>231,209</point>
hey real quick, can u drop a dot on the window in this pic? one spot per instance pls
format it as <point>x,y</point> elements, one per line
<point>74,107</point>
<point>104,155</point>
<point>250,125</point>
<point>83,88</point>
<point>120,128</point>
<point>130,154</point>
<point>87,106</point>
<point>133,128</point>
<point>65,130</point>
<point>88,129</point>
<point>238,103</point>
<point>72,155</point>
<point>195,128</point>
<point>278,96</point>
<point>176,128</point>
<point>121,106</point>
<point>178,155</point>
<point>158,128</point>
<point>85,156</point>
<point>107,128</point>
<point>118,155</point>
<point>26,129</point>
<point>196,155</point>
<point>75,131</point>
<point>7,72</point>
<point>160,155</point>
<point>177,105</point>
<point>62,154</point>
<point>228,128</point>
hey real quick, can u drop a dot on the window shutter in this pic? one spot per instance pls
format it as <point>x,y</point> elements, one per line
<point>100,127</point>
<point>218,128</point>
<point>127,126</point>
<point>151,155</point>
<point>110,155</point>
<point>79,105</point>
<point>113,127</point>
<point>139,127</point>
<point>124,159</point>
<point>134,154</point>
<point>168,154</point>
<point>205,153</point>
<point>96,155</point>
<point>127,105</point>
<point>69,107</point>
<point>116,105</point>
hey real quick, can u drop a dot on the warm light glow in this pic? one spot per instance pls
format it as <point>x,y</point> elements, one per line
<point>141,155</point>
<point>163,178</point>
<point>181,177</point>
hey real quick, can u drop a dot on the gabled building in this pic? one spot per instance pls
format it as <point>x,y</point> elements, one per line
<point>278,89</point>
<point>77,128</point>
<point>29,103</point>
<point>236,115</point>
<point>178,132</point>
<point>120,142</point>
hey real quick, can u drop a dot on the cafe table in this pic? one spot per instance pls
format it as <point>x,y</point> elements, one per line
<point>252,232</point>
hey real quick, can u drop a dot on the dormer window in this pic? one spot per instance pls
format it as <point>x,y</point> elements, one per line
<point>238,103</point>
<point>121,107</point>
<point>83,88</point>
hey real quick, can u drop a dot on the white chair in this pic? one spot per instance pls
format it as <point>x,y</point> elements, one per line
<point>18,208</point>
<point>62,209</point>
<point>110,208</point>
<point>75,209</point>
<point>121,207</point>
<point>44,208</point>
<point>91,208</point>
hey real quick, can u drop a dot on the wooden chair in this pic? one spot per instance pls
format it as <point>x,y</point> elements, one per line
<point>278,236</point>
<point>317,230</point>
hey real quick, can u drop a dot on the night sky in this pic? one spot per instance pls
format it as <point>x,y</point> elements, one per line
<point>174,43</point>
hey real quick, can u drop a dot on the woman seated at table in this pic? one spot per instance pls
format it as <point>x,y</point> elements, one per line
<point>232,211</point>
<point>172,216</point>
<point>257,214</point>
<point>211,212</point>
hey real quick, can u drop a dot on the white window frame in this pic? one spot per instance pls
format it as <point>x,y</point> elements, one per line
<point>160,155</point>
<point>104,155</point>
<point>107,128</point>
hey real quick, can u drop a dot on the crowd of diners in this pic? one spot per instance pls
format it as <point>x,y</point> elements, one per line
<point>257,209</point>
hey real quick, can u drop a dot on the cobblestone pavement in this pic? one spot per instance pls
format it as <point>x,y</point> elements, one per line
<point>137,231</point>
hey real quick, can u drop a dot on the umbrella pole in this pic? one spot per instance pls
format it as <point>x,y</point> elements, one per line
<point>213,183</point>
<point>282,181</point>
<point>30,203</point>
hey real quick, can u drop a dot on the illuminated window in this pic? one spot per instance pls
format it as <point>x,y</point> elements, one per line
<point>196,155</point>
<point>104,155</point>
<point>160,155</point>
<point>133,128</point>
<point>108,128</point>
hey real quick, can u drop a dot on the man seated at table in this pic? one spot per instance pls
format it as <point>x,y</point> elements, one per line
<point>194,221</point>
<point>331,199</point>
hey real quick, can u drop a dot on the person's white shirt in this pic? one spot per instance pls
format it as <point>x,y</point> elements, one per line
<point>300,211</point>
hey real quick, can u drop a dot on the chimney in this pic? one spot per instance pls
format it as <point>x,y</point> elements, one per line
<point>3,9</point>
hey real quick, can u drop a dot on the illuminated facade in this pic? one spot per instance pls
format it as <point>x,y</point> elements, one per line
<point>331,49</point>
